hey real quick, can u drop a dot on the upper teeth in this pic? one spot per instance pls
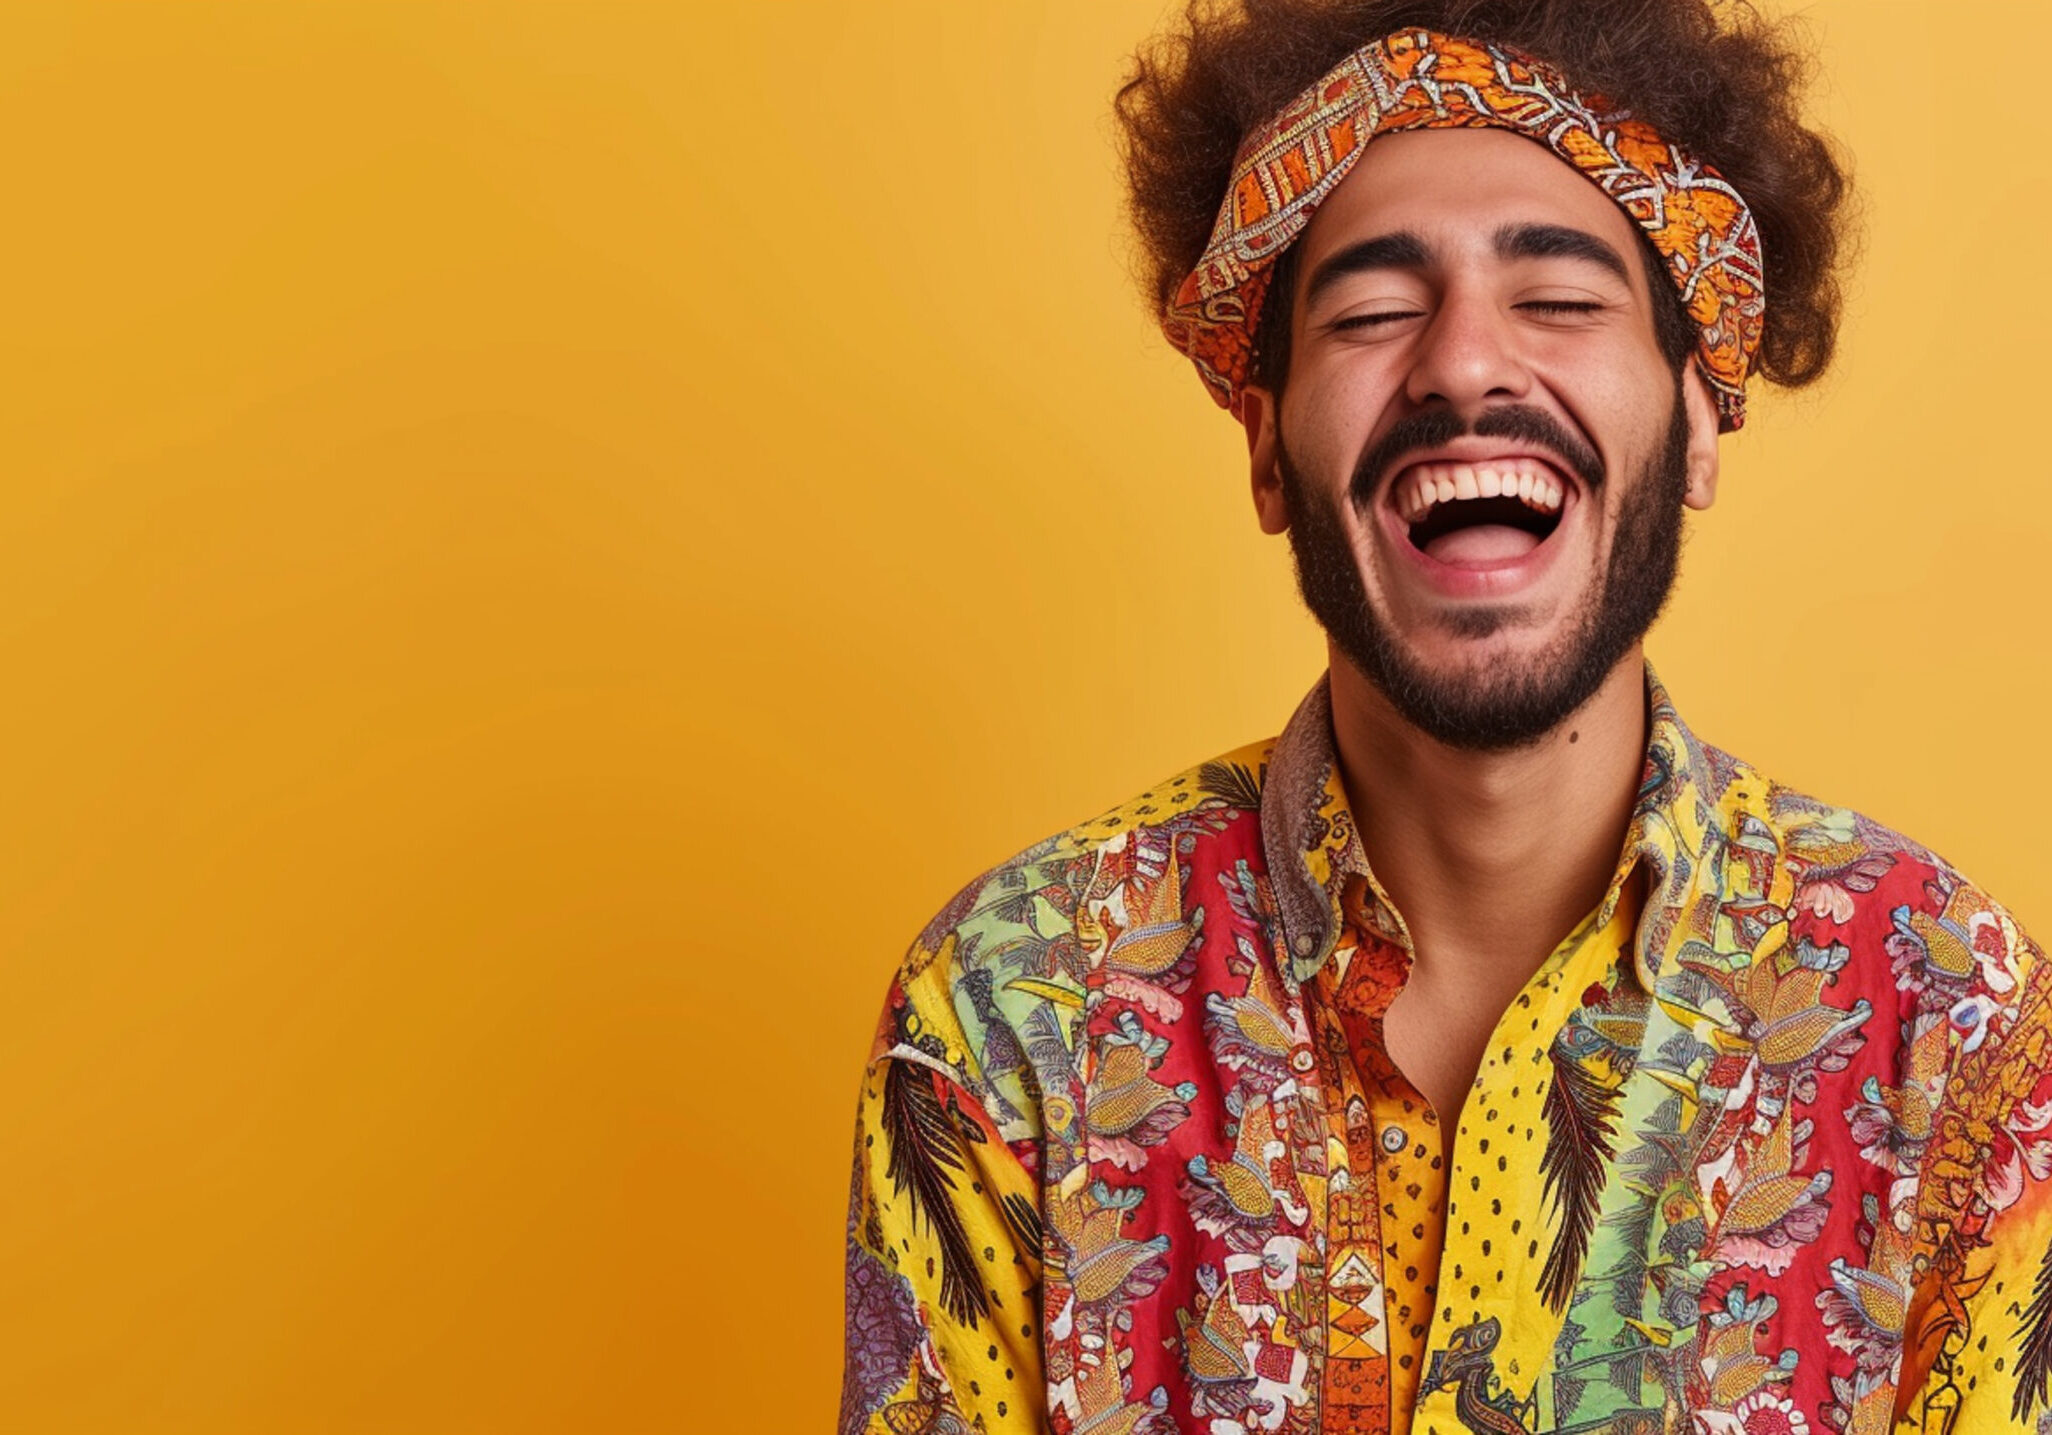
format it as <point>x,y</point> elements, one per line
<point>1422,486</point>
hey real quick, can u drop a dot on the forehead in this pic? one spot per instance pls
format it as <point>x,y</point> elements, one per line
<point>1455,188</point>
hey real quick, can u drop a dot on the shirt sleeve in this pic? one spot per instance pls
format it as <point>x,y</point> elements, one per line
<point>944,1262</point>
<point>1977,1351</point>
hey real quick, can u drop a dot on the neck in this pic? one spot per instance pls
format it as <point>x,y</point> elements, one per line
<point>1496,855</point>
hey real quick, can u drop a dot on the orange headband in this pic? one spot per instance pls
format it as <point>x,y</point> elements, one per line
<point>1420,79</point>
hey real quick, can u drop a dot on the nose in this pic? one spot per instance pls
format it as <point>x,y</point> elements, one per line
<point>1467,356</point>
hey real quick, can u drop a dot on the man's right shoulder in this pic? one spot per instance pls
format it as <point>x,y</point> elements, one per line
<point>1199,798</point>
<point>994,988</point>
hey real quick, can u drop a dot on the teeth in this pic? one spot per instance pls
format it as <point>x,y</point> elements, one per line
<point>1418,498</point>
<point>1429,485</point>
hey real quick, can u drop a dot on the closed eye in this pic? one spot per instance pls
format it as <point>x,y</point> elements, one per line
<point>1561,306</point>
<point>1369,321</point>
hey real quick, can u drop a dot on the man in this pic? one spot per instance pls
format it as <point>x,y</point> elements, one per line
<point>1487,1052</point>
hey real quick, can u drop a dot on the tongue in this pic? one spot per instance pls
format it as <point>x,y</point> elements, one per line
<point>1483,543</point>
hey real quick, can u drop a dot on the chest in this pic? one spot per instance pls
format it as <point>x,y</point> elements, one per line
<point>1272,1224</point>
<point>1436,1032</point>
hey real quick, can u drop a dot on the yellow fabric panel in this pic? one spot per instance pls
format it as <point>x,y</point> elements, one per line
<point>1503,1133</point>
<point>1979,1329</point>
<point>989,1370</point>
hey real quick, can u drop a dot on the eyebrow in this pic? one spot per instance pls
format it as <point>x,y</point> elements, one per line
<point>1557,241</point>
<point>1401,250</point>
<point>1405,250</point>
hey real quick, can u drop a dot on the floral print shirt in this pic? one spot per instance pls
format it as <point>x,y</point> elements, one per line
<point>1761,1149</point>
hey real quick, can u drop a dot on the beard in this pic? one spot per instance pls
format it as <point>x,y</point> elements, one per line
<point>1495,707</point>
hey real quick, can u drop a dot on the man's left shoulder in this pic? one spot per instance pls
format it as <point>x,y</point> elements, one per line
<point>1906,915</point>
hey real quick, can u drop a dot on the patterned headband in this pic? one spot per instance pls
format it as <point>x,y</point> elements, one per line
<point>1420,79</point>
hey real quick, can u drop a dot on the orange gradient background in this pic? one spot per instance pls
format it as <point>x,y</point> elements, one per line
<point>539,542</point>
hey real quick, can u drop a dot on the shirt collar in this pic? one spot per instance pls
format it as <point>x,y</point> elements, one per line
<point>1309,837</point>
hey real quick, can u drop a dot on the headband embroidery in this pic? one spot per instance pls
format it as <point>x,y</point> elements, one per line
<point>1420,79</point>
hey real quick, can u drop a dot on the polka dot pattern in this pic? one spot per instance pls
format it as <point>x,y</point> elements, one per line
<point>1443,1250</point>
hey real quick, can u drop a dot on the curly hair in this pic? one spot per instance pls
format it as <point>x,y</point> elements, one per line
<point>1712,76</point>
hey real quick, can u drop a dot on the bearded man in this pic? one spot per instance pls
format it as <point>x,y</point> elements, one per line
<point>1486,1052</point>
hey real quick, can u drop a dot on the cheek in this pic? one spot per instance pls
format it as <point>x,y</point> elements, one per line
<point>1320,469</point>
<point>1622,410</point>
<point>1335,401</point>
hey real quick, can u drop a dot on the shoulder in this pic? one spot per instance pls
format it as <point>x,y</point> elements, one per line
<point>1928,992</point>
<point>1914,932</point>
<point>1938,925</point>
<point>1202,798</point>
<point>993,989</point>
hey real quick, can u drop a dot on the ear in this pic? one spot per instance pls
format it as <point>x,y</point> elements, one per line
<point>1703,438</point>
<point>1259,415</point>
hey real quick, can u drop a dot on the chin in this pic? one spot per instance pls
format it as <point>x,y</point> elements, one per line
<point>1482,637</point>
<point>1498,693</point>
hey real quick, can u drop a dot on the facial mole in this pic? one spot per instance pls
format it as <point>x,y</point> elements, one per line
<point>1575,736</point>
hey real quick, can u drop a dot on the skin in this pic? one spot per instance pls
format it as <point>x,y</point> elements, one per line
<point>1493,857</point>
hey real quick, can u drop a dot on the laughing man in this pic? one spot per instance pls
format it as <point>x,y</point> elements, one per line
<point>1487,1052</point>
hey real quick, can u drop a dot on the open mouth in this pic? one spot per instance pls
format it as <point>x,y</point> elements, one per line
<point>1481,513</point>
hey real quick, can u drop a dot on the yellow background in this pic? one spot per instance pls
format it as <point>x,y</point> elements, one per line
<point>539,542</point>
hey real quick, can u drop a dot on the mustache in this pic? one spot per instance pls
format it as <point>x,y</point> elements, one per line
<point>1435,428</point>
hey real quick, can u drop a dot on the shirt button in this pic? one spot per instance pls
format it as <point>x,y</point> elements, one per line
<point>1394,1139</point>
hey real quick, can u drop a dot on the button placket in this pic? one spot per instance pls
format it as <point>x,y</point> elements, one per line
<point>1501,1225</point>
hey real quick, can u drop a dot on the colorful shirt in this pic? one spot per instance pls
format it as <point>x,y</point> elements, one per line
<point>1763,1145</point>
